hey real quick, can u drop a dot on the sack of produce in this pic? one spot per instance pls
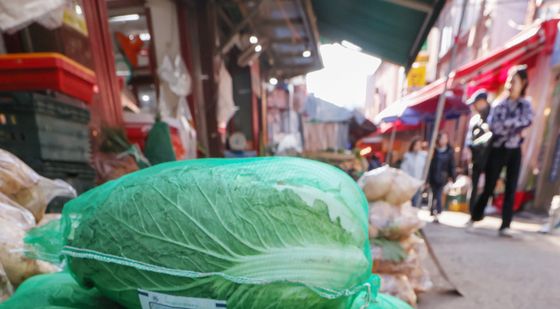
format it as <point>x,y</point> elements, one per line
<point>398,286</point>
<point>419,276</point>
<point>58,290</point>
<point>383,264</point>
<point>393,222</point>
<point>30,190</point>
<point>11,211</point>
<point>389,184</point>
<point>246,233</point>
<point>385,301</point>
<point>16,265</point>
<point>6,288</point>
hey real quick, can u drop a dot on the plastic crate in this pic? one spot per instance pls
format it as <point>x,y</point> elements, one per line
<point>42,71</point>
<point>520,199</point>
<point>79,175</point>
<point>38,127</point>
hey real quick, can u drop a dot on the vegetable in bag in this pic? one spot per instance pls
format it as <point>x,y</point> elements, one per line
<point>389,184</point>
<point>58,290</point>
<point>6,288</point>
<point>250,233</point>
<point>30,190</point>
<point>393,222</point>
<point>398,286</point>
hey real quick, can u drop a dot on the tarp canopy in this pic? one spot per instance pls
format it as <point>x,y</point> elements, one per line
<point>319,110</point>
<point>393,30</point>
<point>421,105</point>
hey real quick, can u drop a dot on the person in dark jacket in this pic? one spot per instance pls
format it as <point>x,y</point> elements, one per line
<point>477,140</point>
<point>508,118</point>
<point>442,169</point>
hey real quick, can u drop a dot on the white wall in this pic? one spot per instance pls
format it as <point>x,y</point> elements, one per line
<point>505,15</point>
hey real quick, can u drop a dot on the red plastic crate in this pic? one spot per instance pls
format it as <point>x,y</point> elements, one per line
<point>520,199</point>
<point>137,134</point>
<point>46,71</point>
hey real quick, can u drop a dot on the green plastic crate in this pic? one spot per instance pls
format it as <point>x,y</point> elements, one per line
<point>38,127</point>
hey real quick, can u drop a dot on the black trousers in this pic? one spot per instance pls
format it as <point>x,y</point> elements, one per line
<point>477,170</point>
<point>498,159</point>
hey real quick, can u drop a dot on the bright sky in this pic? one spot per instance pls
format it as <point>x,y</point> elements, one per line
<point>344,78</point>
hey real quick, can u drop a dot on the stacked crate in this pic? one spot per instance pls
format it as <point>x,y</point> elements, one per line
<point>49,133</point>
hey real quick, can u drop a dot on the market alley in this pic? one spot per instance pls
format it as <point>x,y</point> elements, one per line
<point>493,272</point>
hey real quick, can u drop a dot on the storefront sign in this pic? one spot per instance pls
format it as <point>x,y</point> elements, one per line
<point>555,166</point>
<point>417,76</point>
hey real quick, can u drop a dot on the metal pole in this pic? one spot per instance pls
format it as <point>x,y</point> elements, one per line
<point>441,101</point>
<point>391,144</point>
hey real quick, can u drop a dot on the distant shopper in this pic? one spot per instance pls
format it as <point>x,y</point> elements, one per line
<point>374,162</point>
<point>442,169</point>
<point>413,164</point>
<point>478,139</point>
<point>508,118</point>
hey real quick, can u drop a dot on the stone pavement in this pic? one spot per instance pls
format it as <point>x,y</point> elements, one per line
<point>493,272</point>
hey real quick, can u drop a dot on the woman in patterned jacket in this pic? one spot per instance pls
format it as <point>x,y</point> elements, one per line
<point>507,120</point>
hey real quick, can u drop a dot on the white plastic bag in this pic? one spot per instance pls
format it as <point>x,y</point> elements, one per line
<point>15,15</point>
<point>6,288</point>
<point>393,222</point>
<point>25,187</point>
<point>176,75</point>
<point>398,286</point>
<point>13,212</point>
<point>376,183</point>
<point>389,184</point>
<point>17,266</point>
<point>226,105</point>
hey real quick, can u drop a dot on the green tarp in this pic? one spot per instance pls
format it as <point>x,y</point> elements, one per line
<point>393,30</point>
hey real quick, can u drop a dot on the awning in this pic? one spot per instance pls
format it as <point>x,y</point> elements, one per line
<point>319,110</point>
<point>397,126</point>
<point>393,30</point>
<point>490,71</point>
<point>421,105</point>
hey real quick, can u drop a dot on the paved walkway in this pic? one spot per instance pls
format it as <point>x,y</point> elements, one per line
<point>493,272</point>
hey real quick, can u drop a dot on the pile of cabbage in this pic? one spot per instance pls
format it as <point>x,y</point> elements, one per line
<point>243,233</point>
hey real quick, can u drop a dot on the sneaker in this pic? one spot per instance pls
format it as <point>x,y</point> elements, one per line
<point>436,219</point>
<point>506,232</point>
<point>469,226</point>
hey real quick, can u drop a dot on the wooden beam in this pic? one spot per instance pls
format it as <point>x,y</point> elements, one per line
<point>207,23</point>
<point>252,13</point>
<point>412,4</point>
<point>224,17</point>
<point>281,22</point>
<point>290,40</point>
<point>124,4</point>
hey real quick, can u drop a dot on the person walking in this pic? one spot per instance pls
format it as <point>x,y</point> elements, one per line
<point>374,162</point>
<point>507,120</point>
<point>442,169</point>
<point>477,140</point>
<point>413,164</point>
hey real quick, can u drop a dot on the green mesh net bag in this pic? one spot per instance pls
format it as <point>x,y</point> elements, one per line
<point>58,290</point>
<point>215,233</point>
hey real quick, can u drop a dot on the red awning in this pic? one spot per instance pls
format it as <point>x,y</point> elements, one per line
<point>398,126</point>
<point>490,71</point>
<point>422,104</point>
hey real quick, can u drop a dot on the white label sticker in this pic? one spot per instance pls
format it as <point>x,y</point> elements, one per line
<point>152,300</point>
